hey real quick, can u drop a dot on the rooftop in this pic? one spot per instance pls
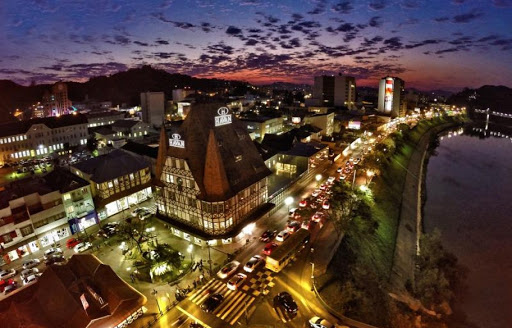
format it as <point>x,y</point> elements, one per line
<point>141,149</point>
<point>56,299</point>
<point>128,124</point>
<point>21,127</point>
<point>112,165</point>
<point>98,114</point>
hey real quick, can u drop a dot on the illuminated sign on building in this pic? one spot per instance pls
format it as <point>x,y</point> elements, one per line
<point>175,141</point>
<point>354,125</point>
<point>223,118</point>
<point>388,95</point>
<point>296,120</point>
<point>85,304</point>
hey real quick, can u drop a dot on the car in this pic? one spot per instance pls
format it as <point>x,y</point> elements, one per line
<point>343,177</point>
<point>293,226</point>
<point>228,269</point>
<point>30,263</point>
<point>5,274</point>
<point>317,322</point>
<point>314,205</point>
<point>357,160</point>
<point>139,210</point>
<point>82,247</point>
<point>316,193</point>
<point>307,224</point>
<point>52,251</point>
<point>331,180</point>
<point>236,281</point>
<point>29,279</point>
<point>269,248</point>
<point>72,242</point>
<point>108,230</point>
<point>282,236</point>
<point>326,205</point>
<point>292,211</point>
<point>10,287</point>
<point>339,169</point>
<point>303,203</point>
<point>285,300</point>
<point>268,235</point>
<point>253,263</point>
<point>212,302</point>
<point>54,259</point>
<point>323,187</point>
<point>317,217</point>
<point>28,272</point>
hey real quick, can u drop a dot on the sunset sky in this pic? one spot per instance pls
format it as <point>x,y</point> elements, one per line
<point>447,44</point>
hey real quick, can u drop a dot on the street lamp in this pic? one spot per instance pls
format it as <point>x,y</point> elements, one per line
<point>154,293</point>
<point>288,201</point>
<point>318,177</point>
<point>189,250</point>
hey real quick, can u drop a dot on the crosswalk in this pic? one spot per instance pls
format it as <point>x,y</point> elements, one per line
<point>234,305</point>
<point>283,315</point>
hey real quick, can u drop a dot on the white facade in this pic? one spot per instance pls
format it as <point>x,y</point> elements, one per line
<point>153,107</point>
<point>390,96</point>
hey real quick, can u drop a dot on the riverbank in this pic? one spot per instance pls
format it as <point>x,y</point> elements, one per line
<point>363,266</point>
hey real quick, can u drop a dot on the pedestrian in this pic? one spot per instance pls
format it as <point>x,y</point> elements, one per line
<point>195,284</point>
<point>132,278</point>
<point>201,277</point>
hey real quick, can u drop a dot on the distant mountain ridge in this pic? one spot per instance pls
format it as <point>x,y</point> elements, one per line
<point>497,98</point>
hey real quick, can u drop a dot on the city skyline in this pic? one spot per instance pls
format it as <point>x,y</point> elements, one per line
<point>435,45</point>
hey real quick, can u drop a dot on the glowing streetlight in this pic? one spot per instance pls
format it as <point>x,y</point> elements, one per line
<point>288,201</point>
<point>190,248</point>
<point>318,177</point>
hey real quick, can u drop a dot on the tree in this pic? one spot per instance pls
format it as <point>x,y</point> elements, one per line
<point>134,230</point>
<point>92,144</point>
<point>168,255</point>
<point>340,206</point>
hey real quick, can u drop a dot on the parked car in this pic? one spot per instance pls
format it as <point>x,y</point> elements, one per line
<point>253,263</point>
<point>10,287</point>
<point>5,283</point>
<point>29,279</point>
<point>228,269</point>
<point>108,230</point>
<point>317,322</point>
<point>268,235</point>
<point>236,281</point>
<point>282,236</point>
<point>72,242</point>
<point>5,274</point>
<point>31,263</point>
<point>212,302</point>
<point>292,211</point>
<point>54,259</point>
<point>269,248</point>
<point>293,226</point>
<point>82,247</point>
<point>317,217</point>
<point>139,211</point>
<point>285,300</point>
<point>28,272</point>
<point>52,251</point>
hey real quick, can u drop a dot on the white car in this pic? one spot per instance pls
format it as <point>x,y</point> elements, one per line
<point>28,272</point>
<point>52,251</point>
<point>331,180</point>
<point>253,263</point>
<point>316,193</point>
<point>30,279</point>
<point>317,322</point>
<point>282,236</point>
<point>139,211</point>
<point>228,269</point>
<point>82,247</point>
<point>6,274</point>
<point>236,281</point>
<point>31,263</point>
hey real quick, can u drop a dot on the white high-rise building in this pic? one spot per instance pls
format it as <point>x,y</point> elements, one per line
<point>391,91</point>
<point>153,107</point>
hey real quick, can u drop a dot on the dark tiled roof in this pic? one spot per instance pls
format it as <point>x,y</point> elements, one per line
<point>128,124</point>
<point>109,113</point>
<point>104,130</point>
<point>305,149</point>
<point>222,159</point>
<point>20,127</point>
<point>140,149</point>
<point>281,142</point>
<point>112,165</point>
<point>54,300</point>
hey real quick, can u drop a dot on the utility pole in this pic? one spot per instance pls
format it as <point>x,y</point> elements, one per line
<point>209,259</point>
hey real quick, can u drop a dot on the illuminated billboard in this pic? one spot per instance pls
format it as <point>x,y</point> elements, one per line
<point>224,117</point>
<point>354,125</point>
<point>296,119</point>
<point>388,95</point>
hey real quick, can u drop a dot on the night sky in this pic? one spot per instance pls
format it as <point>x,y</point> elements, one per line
<point>446,44</point>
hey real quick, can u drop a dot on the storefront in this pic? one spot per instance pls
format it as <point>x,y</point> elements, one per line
<point>125,203</point>
<point>54,236</point>
<point>20,251</point>
<point>80,224</point>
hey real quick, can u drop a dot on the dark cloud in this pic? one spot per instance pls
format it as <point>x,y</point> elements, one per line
<point>458,2</point>
<point>467,17</point>
<point>375,21</point>
<point>206,27</point>
<point>232,30</point>
<point>142,44</point>
<point>293,43</point>
<point>183,25</point>
<point>371,42</point>
<point>394,43</point>
<point>377,5</point>
<point>410,4</point>
<point>220,48</point>
<point>422,43</point>
<point>409,21</point>
<point>319,8</point>
<point>502,3</point>
<point>344,7</point>
<point>455,49</point>
<point>297,17</point>
<point>442,19</point>
<point>162,42</point>
<point>251,42</point>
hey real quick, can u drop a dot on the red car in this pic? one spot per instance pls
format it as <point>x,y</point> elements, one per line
<point>72,242</point>
<point>269,248</point>
<point>317,217</point>
<point>303,203</point>
<point>5,283</point>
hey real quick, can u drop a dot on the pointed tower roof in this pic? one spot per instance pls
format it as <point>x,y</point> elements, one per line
<point>215,180</point>
<point>162,153</point>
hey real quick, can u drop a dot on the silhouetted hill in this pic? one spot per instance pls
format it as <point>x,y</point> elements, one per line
<point>498,98</point>
<point>120,88</point>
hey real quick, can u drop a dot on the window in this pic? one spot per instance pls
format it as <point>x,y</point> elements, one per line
<point>67,197</point>
<point>238,158</point>
<point>27,230</point>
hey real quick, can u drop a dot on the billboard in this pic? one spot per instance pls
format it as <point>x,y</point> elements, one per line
<point>388,95</point>
<point>296,119</point>
<point>354,125</point>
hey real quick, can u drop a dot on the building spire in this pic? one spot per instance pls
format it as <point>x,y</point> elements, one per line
<point>215,179</point>
<point>163,145</point>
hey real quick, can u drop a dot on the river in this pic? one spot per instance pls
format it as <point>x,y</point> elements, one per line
<point>469,199</point>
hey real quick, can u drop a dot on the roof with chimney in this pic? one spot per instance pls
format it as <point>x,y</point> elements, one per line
<point>82,293</point>
<point>222,157</point>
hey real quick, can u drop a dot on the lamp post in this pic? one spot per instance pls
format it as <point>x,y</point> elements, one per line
<point>154,293</point>
<point>318,177</point>
<point>189,250</point>
<point>312,270</point>
<point>288,201</point>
